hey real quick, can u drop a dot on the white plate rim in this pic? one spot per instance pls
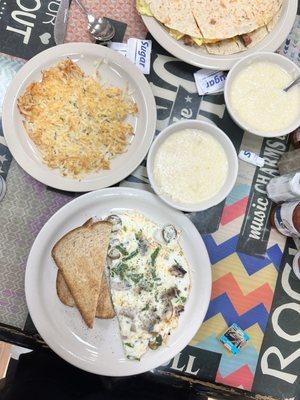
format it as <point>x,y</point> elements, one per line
<point>52,55</point>
<point>185,53</point>
<point>33,304</point>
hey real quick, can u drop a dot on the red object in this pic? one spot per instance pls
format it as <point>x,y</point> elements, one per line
<point>295,138</point>
<point>242,377</point>
<point>233,211</point>
<point>286,223</point>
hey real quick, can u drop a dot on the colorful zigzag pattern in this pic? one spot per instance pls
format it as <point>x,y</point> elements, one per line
<point>242,292</point>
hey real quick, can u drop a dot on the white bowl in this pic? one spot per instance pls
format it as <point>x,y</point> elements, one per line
<point>225,142</point>
<point>284,63</point>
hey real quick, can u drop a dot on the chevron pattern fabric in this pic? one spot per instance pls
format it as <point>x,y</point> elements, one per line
<point>242,292</point>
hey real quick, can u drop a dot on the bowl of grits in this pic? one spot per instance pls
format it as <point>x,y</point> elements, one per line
<point>192,165</point>
<point>255,98</point>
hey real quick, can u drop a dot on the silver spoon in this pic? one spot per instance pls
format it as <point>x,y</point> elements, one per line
<point>295,82</point>
<point>99,28</point>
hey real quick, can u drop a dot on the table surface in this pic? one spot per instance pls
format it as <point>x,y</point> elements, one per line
<point>252,279</point>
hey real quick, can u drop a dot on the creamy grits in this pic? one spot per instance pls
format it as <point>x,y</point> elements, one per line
<point>258,99</point>
<point>190,166</point>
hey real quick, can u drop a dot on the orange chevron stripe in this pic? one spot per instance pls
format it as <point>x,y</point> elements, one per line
<point>242,303</point>
<point>241,377</point>
<point>247,283</point>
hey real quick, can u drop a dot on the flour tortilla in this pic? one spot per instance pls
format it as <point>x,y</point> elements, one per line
<point>268,9</point>
<point>175,14</point>
<point>226,47</point>
<point>257,36</point>
<point>236,45</point>
<point>224,19</point>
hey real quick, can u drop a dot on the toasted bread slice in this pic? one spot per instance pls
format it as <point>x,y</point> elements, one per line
<point>80,256</point>
<point>104,309</point>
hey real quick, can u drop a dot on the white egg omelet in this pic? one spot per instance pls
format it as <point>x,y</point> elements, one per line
<point>149,280</point>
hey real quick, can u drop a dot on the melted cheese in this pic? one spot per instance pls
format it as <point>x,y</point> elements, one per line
<point>143,8</point>
<point>258,98</point>
<point>190,166</point>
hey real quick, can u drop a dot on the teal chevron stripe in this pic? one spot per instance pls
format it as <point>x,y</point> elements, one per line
<point>238,193</point>
<point>230,363</point>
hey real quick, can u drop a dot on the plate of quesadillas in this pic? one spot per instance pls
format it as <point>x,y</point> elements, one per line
<point>216,34</point>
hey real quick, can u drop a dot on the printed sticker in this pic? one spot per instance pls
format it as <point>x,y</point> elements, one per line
<point>208,81</point>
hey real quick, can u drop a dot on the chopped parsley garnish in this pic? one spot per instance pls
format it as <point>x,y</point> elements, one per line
<point>122,250</point>
<point>153,273</point>
<point>133,358</point>
<point>131,255</point>
<point>138,235</point>
<point>135,277</point>
<point>120,270</point>
<point>129,345</point>
<point>148,286</point>
<point>154,256</point>
<point>146,307</point>
<point>181,299</point>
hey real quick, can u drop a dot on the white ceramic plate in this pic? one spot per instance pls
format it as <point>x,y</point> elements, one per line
<point>99,350</point>
<point>118,71</point>
<point>200,58</point>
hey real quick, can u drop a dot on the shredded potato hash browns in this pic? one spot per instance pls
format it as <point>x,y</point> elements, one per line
<point>77,124</point>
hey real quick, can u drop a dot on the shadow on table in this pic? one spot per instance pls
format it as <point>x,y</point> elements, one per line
<point>41,375</point>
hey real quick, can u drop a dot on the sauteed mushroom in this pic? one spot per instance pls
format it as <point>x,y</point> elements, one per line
<point>116,222</point>
<point>114,253</point>
<point>177,270</point>
<point>169,233</point>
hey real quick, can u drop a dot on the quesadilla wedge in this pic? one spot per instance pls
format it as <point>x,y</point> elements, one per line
<point>220,26</point>
<point>176,15</point>
<point>224,19</point>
